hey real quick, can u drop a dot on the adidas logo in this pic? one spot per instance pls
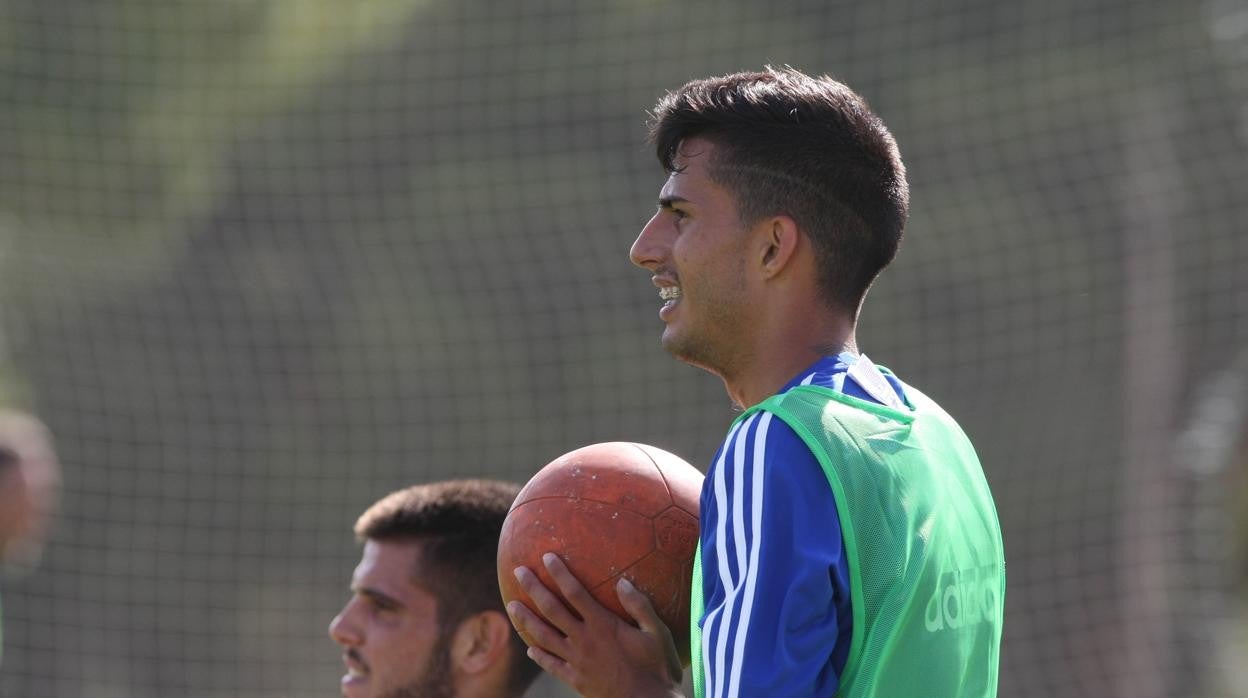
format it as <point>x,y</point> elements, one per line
<point>963,598</point>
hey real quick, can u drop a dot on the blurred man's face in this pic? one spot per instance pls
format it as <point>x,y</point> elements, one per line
<point>392,644</point>
<point>29,480</point>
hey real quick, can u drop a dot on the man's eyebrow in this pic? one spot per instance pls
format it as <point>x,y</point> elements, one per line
<point>670,201</point>
<point>378,597</point>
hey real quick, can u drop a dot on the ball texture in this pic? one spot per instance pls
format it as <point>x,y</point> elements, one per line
<point>610,510</point>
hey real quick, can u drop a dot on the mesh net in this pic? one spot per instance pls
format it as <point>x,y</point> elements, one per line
<point>263,262</point>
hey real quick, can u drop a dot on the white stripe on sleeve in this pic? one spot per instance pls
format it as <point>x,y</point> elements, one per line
<point>721,502</point>
<point>731,619</point>
<point>751,574</point>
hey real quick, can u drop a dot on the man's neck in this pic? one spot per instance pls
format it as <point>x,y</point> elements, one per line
<point>764,377</point>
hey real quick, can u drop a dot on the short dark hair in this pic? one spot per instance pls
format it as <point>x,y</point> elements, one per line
<point>458,522</point>
<point>807,147</point>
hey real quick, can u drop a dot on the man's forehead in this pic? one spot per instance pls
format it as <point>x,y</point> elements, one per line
<point>669,193</point>
<point>25,436</point>
<point>691,178</point>
<point>388,560</point>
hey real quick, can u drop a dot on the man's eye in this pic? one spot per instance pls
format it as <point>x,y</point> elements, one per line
<point>383,609</point>
<point>381,604</point>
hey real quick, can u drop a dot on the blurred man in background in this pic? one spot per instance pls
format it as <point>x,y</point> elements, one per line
<point>29,478</point>
<point>425,618</point>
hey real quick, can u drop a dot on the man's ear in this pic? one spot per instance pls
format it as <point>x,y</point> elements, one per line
<point>778,242</point>
<point>480,642</point>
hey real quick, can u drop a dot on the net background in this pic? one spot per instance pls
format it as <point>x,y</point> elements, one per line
<point>264,262</point>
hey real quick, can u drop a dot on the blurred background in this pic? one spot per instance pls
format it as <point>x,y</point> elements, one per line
<point>263,262</point>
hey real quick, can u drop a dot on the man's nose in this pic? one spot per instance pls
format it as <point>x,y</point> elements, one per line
<point>342,630</point>
<point>647,249</point>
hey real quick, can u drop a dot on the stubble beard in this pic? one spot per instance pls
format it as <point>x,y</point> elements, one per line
<point>435,681</point>
<point>696,353</point>
<point>713,343</point>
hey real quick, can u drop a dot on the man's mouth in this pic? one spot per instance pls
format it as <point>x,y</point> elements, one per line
<point>356,668</point>
<point>670,293</point>
<point>356,676</point>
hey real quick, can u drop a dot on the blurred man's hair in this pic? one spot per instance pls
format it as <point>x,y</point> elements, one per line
<point>458,523</point>
<point>806,147</point>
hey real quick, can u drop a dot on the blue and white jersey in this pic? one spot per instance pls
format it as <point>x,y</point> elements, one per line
<point>775,581</point>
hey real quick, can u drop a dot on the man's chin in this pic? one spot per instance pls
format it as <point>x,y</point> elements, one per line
<point>674,344</point>
<point>684,351</point>
<point>355,686</point>
<point>434,685</point>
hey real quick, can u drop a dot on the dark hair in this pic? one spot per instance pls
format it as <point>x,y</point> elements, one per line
<point>458,522</point>
<point>807,147</point>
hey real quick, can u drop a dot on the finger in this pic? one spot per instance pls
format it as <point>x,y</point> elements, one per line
<point>537,630</point>
<point>546,602</point>
<point>553,665</point>
<point>577,595</point>
<point>639,606</point>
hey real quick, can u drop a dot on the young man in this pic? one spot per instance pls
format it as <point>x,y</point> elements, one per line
<point>425,619</point>
<point>849,542</point>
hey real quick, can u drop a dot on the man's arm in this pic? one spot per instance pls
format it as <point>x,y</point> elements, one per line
<point>775,578</point>
<point>589,647</point>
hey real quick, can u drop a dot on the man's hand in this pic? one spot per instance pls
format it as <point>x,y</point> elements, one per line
<point>598,654</point>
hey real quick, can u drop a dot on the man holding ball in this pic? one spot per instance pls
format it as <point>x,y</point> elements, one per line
<point>849,543</point>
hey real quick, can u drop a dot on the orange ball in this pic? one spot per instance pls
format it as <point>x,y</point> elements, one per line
<point>610,510</point>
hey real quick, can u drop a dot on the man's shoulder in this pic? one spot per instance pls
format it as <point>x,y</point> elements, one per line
<point>767,448</point>
<point>763,433</point>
